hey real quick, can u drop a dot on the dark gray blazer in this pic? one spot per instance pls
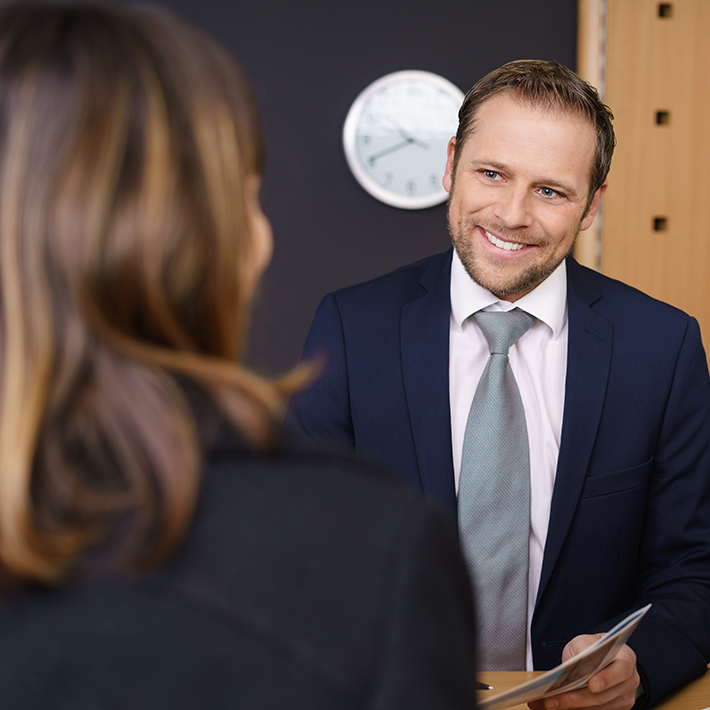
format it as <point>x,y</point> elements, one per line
<point>309,580</point>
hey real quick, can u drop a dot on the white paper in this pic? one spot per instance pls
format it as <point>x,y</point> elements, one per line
<point>571,674</point>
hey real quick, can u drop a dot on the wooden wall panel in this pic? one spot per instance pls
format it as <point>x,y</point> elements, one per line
<point>591,40</point>
<point>660,170</point>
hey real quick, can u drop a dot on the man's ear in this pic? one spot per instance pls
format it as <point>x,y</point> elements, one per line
<point>594,206</point>
<point>448,175</point>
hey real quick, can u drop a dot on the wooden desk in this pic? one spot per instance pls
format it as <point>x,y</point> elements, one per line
<point>694,696</point>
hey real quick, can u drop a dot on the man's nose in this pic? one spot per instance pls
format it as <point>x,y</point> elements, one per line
<point>513,208</point>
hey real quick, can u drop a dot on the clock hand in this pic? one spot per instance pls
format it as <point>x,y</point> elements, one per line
<point>416,141</point>
<point>397,146</point>
<point>407,136</point>
<point>411,139</point>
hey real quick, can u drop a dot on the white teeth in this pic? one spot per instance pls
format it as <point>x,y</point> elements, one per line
<point>508,246</point>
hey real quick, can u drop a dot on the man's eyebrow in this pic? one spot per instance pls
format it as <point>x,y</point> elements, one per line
<point>483,163</point>
<point>542,182</point>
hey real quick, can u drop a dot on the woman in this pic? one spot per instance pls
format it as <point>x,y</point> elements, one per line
<point>160,545</point>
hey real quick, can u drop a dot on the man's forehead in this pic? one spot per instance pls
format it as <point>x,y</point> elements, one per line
<point>552,106</point>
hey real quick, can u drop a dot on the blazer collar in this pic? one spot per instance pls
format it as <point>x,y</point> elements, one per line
<point>588,364</point>
<point>424,332</point>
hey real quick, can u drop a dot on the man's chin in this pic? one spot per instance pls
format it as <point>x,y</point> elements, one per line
<point>493,278</point>
<point>516,285</point>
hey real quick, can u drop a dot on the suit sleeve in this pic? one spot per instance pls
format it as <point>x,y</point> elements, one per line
<point>322,411</point>
<point>427,648</point>
<point>672,643</point>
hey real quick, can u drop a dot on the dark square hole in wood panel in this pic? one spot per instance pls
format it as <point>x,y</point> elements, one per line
<point>665,9</point>
<point>663,118</point>
<point>660,224</point>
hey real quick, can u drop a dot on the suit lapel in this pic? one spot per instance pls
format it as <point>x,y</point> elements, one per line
<point>424,330</point>
<point>588,363</point>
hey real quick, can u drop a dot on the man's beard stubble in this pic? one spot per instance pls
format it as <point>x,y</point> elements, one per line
<point>525,281</point>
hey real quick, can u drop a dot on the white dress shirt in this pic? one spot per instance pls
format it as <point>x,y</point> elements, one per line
<point>539,362</point>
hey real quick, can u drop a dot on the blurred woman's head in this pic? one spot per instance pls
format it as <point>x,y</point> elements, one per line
<point>131,240</point>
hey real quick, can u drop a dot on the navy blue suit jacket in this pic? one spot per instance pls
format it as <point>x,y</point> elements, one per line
<point>630,517</point>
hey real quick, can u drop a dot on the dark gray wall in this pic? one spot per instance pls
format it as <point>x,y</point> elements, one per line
<point>308,60</point>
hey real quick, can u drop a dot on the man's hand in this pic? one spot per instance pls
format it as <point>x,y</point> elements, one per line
<point>612,688</point>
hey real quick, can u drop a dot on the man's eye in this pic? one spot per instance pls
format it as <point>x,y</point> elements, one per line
<point>490,174</point>
<point>547,192</point>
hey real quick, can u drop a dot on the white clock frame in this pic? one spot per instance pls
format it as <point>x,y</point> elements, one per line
<point>354,122</point>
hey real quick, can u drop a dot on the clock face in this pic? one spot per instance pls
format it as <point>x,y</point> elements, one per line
<point>395,137</point>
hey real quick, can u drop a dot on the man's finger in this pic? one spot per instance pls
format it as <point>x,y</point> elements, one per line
<point>612,688</point>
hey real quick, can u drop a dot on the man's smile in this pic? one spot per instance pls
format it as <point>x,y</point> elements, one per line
<point>501,243</point>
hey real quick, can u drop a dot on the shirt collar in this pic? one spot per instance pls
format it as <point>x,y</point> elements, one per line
<point>547,301</point>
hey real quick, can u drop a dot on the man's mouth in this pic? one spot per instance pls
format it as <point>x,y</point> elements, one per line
<point>498,242</point>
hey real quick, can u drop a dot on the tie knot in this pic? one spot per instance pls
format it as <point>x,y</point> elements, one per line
<point>502,330</point>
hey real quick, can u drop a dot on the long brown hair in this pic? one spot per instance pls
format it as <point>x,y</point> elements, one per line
<point>126,137</point>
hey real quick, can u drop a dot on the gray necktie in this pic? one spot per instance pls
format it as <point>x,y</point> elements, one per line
<point>494,498</point>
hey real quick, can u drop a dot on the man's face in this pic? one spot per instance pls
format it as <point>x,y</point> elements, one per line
<point>519,195</point>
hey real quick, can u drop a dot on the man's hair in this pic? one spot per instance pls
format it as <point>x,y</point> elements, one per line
<point>550,86</point>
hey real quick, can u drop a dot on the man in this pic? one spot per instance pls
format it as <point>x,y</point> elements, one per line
<point>614,387</point>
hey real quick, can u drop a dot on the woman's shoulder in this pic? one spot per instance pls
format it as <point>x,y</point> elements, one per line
<point>333,486</point>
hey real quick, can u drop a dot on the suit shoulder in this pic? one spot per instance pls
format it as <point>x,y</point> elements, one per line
<point>402,284</point>
<point>620,302</point>
<point>324,476</point>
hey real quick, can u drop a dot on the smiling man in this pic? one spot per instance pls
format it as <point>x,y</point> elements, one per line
<point>563,417</point>
<point>520,193</point>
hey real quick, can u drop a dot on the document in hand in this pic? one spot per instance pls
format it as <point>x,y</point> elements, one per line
<point>571,674</point>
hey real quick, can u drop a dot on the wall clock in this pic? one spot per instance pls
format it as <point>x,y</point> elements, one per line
<point>395,137</point>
